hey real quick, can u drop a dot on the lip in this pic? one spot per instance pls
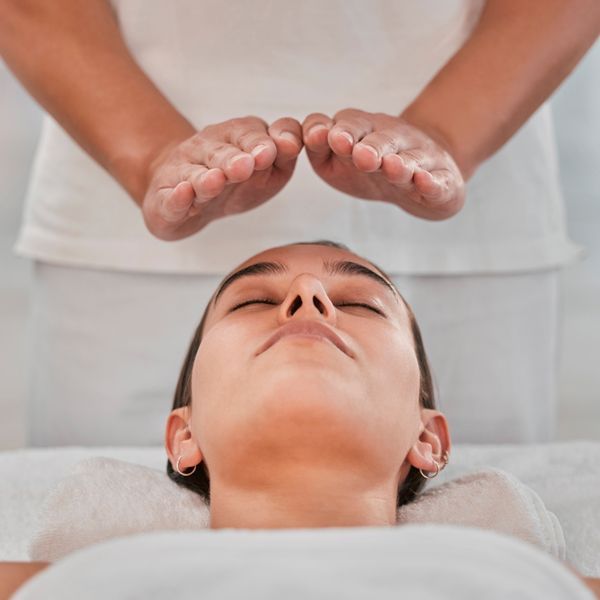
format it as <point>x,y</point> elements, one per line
<point>310,328</point>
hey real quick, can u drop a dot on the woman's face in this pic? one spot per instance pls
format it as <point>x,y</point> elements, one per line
<point>303,405</point>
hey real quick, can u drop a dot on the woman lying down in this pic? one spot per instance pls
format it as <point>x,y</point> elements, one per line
<point>306,402</point>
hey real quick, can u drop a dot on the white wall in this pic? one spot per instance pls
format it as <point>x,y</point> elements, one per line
<point>577,111</point>
<point>576,107</point>
<point>19,129</point>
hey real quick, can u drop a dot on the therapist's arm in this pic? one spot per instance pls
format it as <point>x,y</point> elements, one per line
<point>71,57</point>
<point>14,574</point>
<point>517,55</point>
<point>593,583</point>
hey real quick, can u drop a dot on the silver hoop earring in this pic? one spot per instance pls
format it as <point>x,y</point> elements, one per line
<point>181,472</point>
<point>445,458</point>
<point>437,470</point>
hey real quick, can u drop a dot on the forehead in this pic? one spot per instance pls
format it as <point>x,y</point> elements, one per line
<point>309,256</point>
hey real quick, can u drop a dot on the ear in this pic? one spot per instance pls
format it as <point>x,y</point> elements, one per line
<point>179,440</point>
<point>433,441</point>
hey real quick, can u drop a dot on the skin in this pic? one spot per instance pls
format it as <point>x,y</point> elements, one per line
<point>304,435</point>
<point>383,157</point>
<point>318,439</point>
<point>227,168</point>
<point>14,574</point>
<point>517,55</point>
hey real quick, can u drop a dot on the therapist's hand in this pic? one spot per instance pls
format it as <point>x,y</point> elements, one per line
<point>222,170</point>
<point>376,156</point>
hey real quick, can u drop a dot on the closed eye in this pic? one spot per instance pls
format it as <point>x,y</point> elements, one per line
<point>257,301</point>
<point>363,305</point>
<point>268,301</point>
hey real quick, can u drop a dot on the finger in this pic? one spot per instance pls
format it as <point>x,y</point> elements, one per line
<point>287,135</point>
<point>348,131</point>
<point>230,145</point>
<point>420,158</point>
<point>207,183</point>
<point>368,153</point>
<point>251,136</point>
<point>443,193</point>
<point>315,129</point>
<point>396,170</point>
<point>174,203</point>
<point>235,164</point>
<point>434,186</point>
<point>400,167</point>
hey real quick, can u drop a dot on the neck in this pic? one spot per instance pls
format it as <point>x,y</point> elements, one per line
<point>301,504</point>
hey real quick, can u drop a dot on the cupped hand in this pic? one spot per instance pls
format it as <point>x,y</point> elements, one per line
<point>224,169</point>
<point>376,156</point>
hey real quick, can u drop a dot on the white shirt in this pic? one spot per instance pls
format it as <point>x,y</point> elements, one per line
<point>217,60</point>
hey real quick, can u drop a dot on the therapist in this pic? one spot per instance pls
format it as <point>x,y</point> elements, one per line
<point>153,101</point>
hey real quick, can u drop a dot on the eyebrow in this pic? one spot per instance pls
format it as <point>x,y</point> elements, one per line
<point>340,267</point>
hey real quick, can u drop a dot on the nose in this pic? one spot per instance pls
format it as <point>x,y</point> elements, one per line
<point>307,299</point>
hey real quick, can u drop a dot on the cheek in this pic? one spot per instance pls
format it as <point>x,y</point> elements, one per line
<point>218,374</point>
<point>395,365</point>
<point>408,374</point>
<point>395,380</point>
<point>392,406</point>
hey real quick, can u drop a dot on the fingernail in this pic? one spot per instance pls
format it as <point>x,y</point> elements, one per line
<point>289,136</point>
<point>348,136</point>
<point>316,128</point>
<point>236,158</point>
<point>370,149</point>
<point>179,185</point>
<point>258,149</point>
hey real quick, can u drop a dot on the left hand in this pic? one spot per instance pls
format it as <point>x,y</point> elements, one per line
<point>384,158</point>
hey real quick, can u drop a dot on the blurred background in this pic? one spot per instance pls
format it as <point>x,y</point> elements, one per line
<point>576,109</point>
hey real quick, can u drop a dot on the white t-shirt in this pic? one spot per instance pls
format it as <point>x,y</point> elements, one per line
<point>217,60</point>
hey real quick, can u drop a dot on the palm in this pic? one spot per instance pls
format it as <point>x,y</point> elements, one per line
<point>386,159</point>
<point>205,177</point>
<point>246,195</point>
<point>341,173</point>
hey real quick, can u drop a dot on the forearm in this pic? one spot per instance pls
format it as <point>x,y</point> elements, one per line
<point>517,55</point>
<point>593,584</point>
<point>71,57</point>
<point>14,574</point>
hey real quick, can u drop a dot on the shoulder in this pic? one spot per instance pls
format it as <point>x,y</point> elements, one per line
<point>15,574</point>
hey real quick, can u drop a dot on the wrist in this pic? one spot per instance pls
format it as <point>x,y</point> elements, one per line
<point>134,166</point>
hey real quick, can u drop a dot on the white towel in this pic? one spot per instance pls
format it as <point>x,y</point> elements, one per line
<point>104,498</point>
<point>428,562</point>
<point>490,499</point>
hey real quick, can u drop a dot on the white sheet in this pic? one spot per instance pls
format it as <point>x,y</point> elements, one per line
<point>566,475</point>
<point>429,562</point>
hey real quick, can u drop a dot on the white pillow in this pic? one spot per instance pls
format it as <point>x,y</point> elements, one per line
<point>104,498</point>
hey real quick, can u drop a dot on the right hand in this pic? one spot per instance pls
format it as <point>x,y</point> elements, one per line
<point>195,181</point>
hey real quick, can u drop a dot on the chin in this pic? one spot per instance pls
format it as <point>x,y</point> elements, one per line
<point>312,401</point>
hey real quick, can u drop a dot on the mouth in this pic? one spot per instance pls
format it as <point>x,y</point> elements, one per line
<point>309,330</point>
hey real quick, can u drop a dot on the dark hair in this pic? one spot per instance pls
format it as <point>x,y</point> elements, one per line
<point>199,481</point>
